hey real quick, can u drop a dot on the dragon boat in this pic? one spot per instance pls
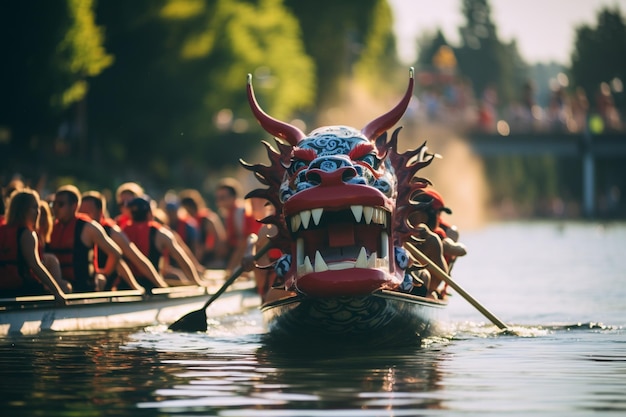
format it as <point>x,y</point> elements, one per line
<point>106,310</point>
<point>343,198</point>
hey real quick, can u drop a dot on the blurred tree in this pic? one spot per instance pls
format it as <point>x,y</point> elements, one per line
<point>176,96</point>
<point>346,38</point>
<point>600,53</point>
<point>428,46</point>
<point>50,50</point>
<point>484,59</point>
<point>378,58</point>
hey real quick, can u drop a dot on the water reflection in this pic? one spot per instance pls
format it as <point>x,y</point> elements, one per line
<point>71,373</point>
<point>249,375</point>
<point>556,364</point>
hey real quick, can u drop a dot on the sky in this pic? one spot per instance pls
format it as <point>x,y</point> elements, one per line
<point>544,29</point>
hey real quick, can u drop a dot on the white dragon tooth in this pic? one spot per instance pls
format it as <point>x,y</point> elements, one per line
<point>295,222</point>
<point>382,263</point>
<point>357,212</point>
<point>306,218</point>
<point>379,216</point>
<point>384,245</point>
<point>320,264</point>
<point>308,268</point>
<point>300,251</point>
<point>368,212</point>
<point>371,261</point>
<point>317,215</point>
<point>361,261</point>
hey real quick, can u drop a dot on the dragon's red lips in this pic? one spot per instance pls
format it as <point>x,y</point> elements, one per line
<point>337,197</point>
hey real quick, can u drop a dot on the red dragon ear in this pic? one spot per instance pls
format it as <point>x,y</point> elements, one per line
<point>282,130</point>
<point>377,126</point>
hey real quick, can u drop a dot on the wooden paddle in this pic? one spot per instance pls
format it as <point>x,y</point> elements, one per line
<point>439,273</point>
<point>196,321</point>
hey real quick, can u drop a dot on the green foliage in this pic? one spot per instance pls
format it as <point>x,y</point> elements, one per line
<point>182,62</point>
<point>483,58</point>
<point>80,53</point>
<point>526,180</point>
<point>378,56</point>
<point>599,53</point>
<point>49,49</point>
<point>342,38</point>
<point>429,44</point>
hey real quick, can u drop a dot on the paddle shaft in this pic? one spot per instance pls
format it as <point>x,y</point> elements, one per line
<point>236,274</point>
<point>445,277</point>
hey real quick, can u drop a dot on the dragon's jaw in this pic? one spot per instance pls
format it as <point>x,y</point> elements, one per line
<point>340,247</point>
<point>336,240</point>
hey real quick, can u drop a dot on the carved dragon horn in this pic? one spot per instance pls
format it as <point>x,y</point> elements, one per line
<point>275,127</point>
<point>379,125</point>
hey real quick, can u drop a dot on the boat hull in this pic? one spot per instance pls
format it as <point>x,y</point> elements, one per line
<point>118,309</point>
<point>383,318</point>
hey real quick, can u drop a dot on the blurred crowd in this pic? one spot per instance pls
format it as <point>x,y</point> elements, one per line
<point>73,240</point>
<point>456,105</point>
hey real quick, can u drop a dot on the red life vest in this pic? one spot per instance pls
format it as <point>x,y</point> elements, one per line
<point>75,258</point>
<point>142,234</point>
<point>14,271</point>
<point>239,224</point>
<point>11,262</point>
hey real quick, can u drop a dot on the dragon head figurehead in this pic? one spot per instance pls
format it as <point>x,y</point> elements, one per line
<point>343,198</point>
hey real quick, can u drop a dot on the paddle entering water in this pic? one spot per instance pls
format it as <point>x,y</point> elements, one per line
<point>445,277</point>
<point>196,321</point>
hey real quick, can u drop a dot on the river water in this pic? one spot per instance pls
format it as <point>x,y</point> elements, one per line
<point>561,286</point>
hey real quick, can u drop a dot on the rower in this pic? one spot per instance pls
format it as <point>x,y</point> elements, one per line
<point>21,269</point>
<point>154,240</point>
<point>93,205</point>
<point>74,239</point>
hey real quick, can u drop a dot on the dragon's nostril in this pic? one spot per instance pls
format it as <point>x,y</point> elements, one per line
<point>348,174</point>
<point>314,177</point>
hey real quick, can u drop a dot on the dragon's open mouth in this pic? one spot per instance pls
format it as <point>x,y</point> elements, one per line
<point>337,239</point>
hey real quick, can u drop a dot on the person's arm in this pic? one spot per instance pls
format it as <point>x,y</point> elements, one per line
<point>165,240</point>
<point>237,256</point>
<point>123,270</point>
<point>131,252</point>
<point>30,250</point>
<point>187,250</point>
<point>215,227</point>
<point>94,234</point>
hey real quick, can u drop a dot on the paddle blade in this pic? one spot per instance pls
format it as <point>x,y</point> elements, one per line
<point>191,322</point>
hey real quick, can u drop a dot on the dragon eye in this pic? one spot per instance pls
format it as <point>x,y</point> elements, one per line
<point>371,160</point>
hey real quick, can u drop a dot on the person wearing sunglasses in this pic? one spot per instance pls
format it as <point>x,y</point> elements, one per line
<point>74,239</point>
